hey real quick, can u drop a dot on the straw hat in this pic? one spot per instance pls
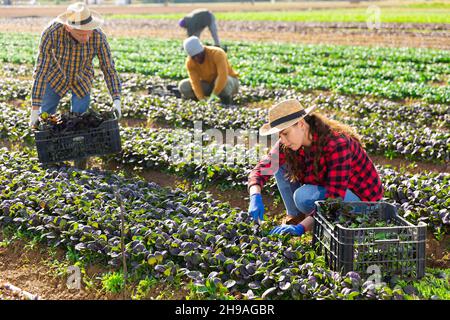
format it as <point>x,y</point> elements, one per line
<point>283,115</point>
<point>79,16</point>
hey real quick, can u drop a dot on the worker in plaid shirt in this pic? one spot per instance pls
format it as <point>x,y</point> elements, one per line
<point>315,158</point>
<point>66,51</point>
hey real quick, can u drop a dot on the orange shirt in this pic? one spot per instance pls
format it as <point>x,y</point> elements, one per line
<point>215,68</point>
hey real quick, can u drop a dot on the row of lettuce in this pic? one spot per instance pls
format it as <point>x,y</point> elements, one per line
<point>136,86</point>
<point>393,73</point>
<point>213,157</point>
<point>419,133</point>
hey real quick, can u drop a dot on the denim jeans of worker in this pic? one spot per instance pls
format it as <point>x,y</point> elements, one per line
<point>51,100</point>
<point>300,198</point>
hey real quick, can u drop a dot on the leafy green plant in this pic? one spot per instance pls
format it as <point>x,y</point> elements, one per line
<point>143,288</point>
<point>113,282</point>
<point>211,290</point>
<point>434,286</point>
<point>32,243</point>
<point>72,255</point>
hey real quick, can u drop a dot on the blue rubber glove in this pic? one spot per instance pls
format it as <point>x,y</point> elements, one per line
<point>256,208</point>
<point>296,230</point>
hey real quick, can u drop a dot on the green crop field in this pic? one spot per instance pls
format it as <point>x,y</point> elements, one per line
<point>384,72</point>
<point>414,13</point>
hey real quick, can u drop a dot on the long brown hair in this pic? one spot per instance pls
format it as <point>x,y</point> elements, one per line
<point>324,128</point>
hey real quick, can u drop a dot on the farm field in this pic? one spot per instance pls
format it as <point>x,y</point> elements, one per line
<point>437,12</point>
<point>186,230</point>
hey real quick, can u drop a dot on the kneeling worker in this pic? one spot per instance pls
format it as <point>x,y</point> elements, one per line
<point>315,158</point>
<point>210,73</point>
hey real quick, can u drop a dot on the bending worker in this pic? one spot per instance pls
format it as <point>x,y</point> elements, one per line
<point>67,47</point>
<point>315,158</point>
<point>210,73</point>
<point>196,21</point>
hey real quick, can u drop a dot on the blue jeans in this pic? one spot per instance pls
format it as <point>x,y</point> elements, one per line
<point>51,100</point>
<point>300,198</point>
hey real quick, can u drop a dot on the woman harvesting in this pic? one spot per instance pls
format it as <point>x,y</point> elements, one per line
<point>315,158</point>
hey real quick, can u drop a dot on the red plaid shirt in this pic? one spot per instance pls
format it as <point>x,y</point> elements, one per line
<point>343,165</point>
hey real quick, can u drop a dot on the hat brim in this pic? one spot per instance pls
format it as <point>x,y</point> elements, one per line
<point>266,129</point>
<point>96,22</point>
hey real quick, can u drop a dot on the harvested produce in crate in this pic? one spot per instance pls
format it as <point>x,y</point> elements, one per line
<point>358,236</point>
<point>72,121</point>
<point>339,212</point>
<point>73,136</point>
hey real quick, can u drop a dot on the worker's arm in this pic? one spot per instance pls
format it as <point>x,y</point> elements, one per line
<point>220,60</point>
<point>194,78</point>
<point>266,168</point>
<point>258,177</point>
<point>41,69</point>
<point>108,68</point>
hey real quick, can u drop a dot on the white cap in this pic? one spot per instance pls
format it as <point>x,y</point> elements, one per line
<point>192,46</point>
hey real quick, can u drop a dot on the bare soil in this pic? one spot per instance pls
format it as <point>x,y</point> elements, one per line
<point>418,167</point>
<point>438,252</point>
<point>30,270</point>
<point>54,10</point>
<point>392,35</point>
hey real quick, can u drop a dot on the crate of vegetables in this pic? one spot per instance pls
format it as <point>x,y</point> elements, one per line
<point>73,136</point>
<point>368,236</point>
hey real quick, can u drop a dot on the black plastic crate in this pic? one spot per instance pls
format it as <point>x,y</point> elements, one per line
<point>169,90</point>
<point>396,251</point>
<point>102,140</point>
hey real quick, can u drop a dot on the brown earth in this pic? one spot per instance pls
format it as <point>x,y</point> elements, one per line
<point>323,38</point>
<point>417,167</point>
<point>330,38</point>
<point>392,35</point>
<point>30,270</point>
<point>438,252</point>
<point>21,11</point>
